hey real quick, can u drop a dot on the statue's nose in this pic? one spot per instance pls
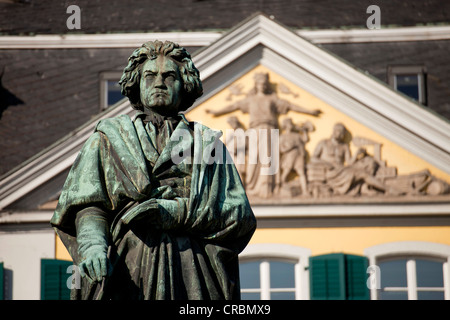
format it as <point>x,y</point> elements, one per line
<point>159,81</point>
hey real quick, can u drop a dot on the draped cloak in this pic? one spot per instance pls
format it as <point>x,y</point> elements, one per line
<point>175,228</point>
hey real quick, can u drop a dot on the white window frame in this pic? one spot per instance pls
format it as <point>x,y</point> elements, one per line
<point>411,250</point>
<point>279,252</point>
<point>420,71</point>
<point>104,77</point>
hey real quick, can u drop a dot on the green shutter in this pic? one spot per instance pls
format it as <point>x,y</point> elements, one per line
<point>54,279</point>
<point>327,277</point>
<point>356,276</point>
<point>338,276</point>
<point>2,282</point>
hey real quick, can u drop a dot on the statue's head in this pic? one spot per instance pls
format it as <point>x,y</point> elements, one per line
<point>287,124</point>
<point>262,83</point>
<point>161,77</point>
<point>339,132</point>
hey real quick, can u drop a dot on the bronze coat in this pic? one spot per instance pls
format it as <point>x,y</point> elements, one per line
<point>175,230</point>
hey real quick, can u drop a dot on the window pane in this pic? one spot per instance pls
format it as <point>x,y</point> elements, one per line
<point>250,296</point>
<point>430,295</point>
<point>429,273</point>
<point>282,296</point>
<point>393,273</point>
<point>409,85</point>
<point>249,274</point>
<point>114,94</point>
<point>282,274</point>
<point>393,295</point>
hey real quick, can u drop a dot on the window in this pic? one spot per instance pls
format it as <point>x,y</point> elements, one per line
<point>411,278</point>
<point>274,271</point>
<point>410,80</point>
<point>110,89</point>
<point>411,270</point>
<point>54,277</point>
<point>267,280</point>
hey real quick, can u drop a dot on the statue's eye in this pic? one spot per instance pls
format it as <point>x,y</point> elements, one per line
<point>149,75</point>
<point>170,77</point>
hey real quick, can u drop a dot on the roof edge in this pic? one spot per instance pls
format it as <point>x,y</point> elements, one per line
<point>206,38</point>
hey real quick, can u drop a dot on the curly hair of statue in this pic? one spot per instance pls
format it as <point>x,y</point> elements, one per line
<point>151,50</point>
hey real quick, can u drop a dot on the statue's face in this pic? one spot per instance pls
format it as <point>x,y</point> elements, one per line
<point>288,125</point>
<point>161,86</point>
<point>261,85</point>
<point>339,133</point>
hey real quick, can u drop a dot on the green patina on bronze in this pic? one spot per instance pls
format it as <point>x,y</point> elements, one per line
<point>140,225</point>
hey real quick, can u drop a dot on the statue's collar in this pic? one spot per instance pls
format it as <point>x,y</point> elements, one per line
<point>159,121</point>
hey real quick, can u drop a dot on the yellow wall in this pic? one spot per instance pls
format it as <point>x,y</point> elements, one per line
<point>61,252</point>
<point>352,240</point>
<point>395,156</point>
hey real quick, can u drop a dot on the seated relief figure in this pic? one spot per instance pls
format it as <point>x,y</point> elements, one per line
<point>333,171</point>
<point>141,224</point>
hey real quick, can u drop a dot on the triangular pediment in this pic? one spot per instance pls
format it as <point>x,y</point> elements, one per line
<point>406,146</point>
<point>373,166</point>
<point>398,133</point>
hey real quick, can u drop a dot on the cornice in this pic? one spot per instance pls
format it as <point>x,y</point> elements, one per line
<point>202,39</point>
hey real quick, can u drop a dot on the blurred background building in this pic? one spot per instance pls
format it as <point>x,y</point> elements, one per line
<point>374,224</point>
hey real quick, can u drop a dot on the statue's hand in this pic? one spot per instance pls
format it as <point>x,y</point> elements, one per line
<point>316,112</point>
<point>163,192</point>
<point>95,266</point>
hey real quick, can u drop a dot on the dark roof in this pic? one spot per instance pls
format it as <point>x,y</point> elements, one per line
<point>376,57</point>
<point>49,93</point>
<point>49,17</point>
<point>59,90</point>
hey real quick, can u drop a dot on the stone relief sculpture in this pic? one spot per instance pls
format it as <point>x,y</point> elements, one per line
<point>293,153</point>
<point>263,106</point>
<point>137,223</point>
<point>240,149</point>
<point>331,171</point>
<point>334,171</point>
